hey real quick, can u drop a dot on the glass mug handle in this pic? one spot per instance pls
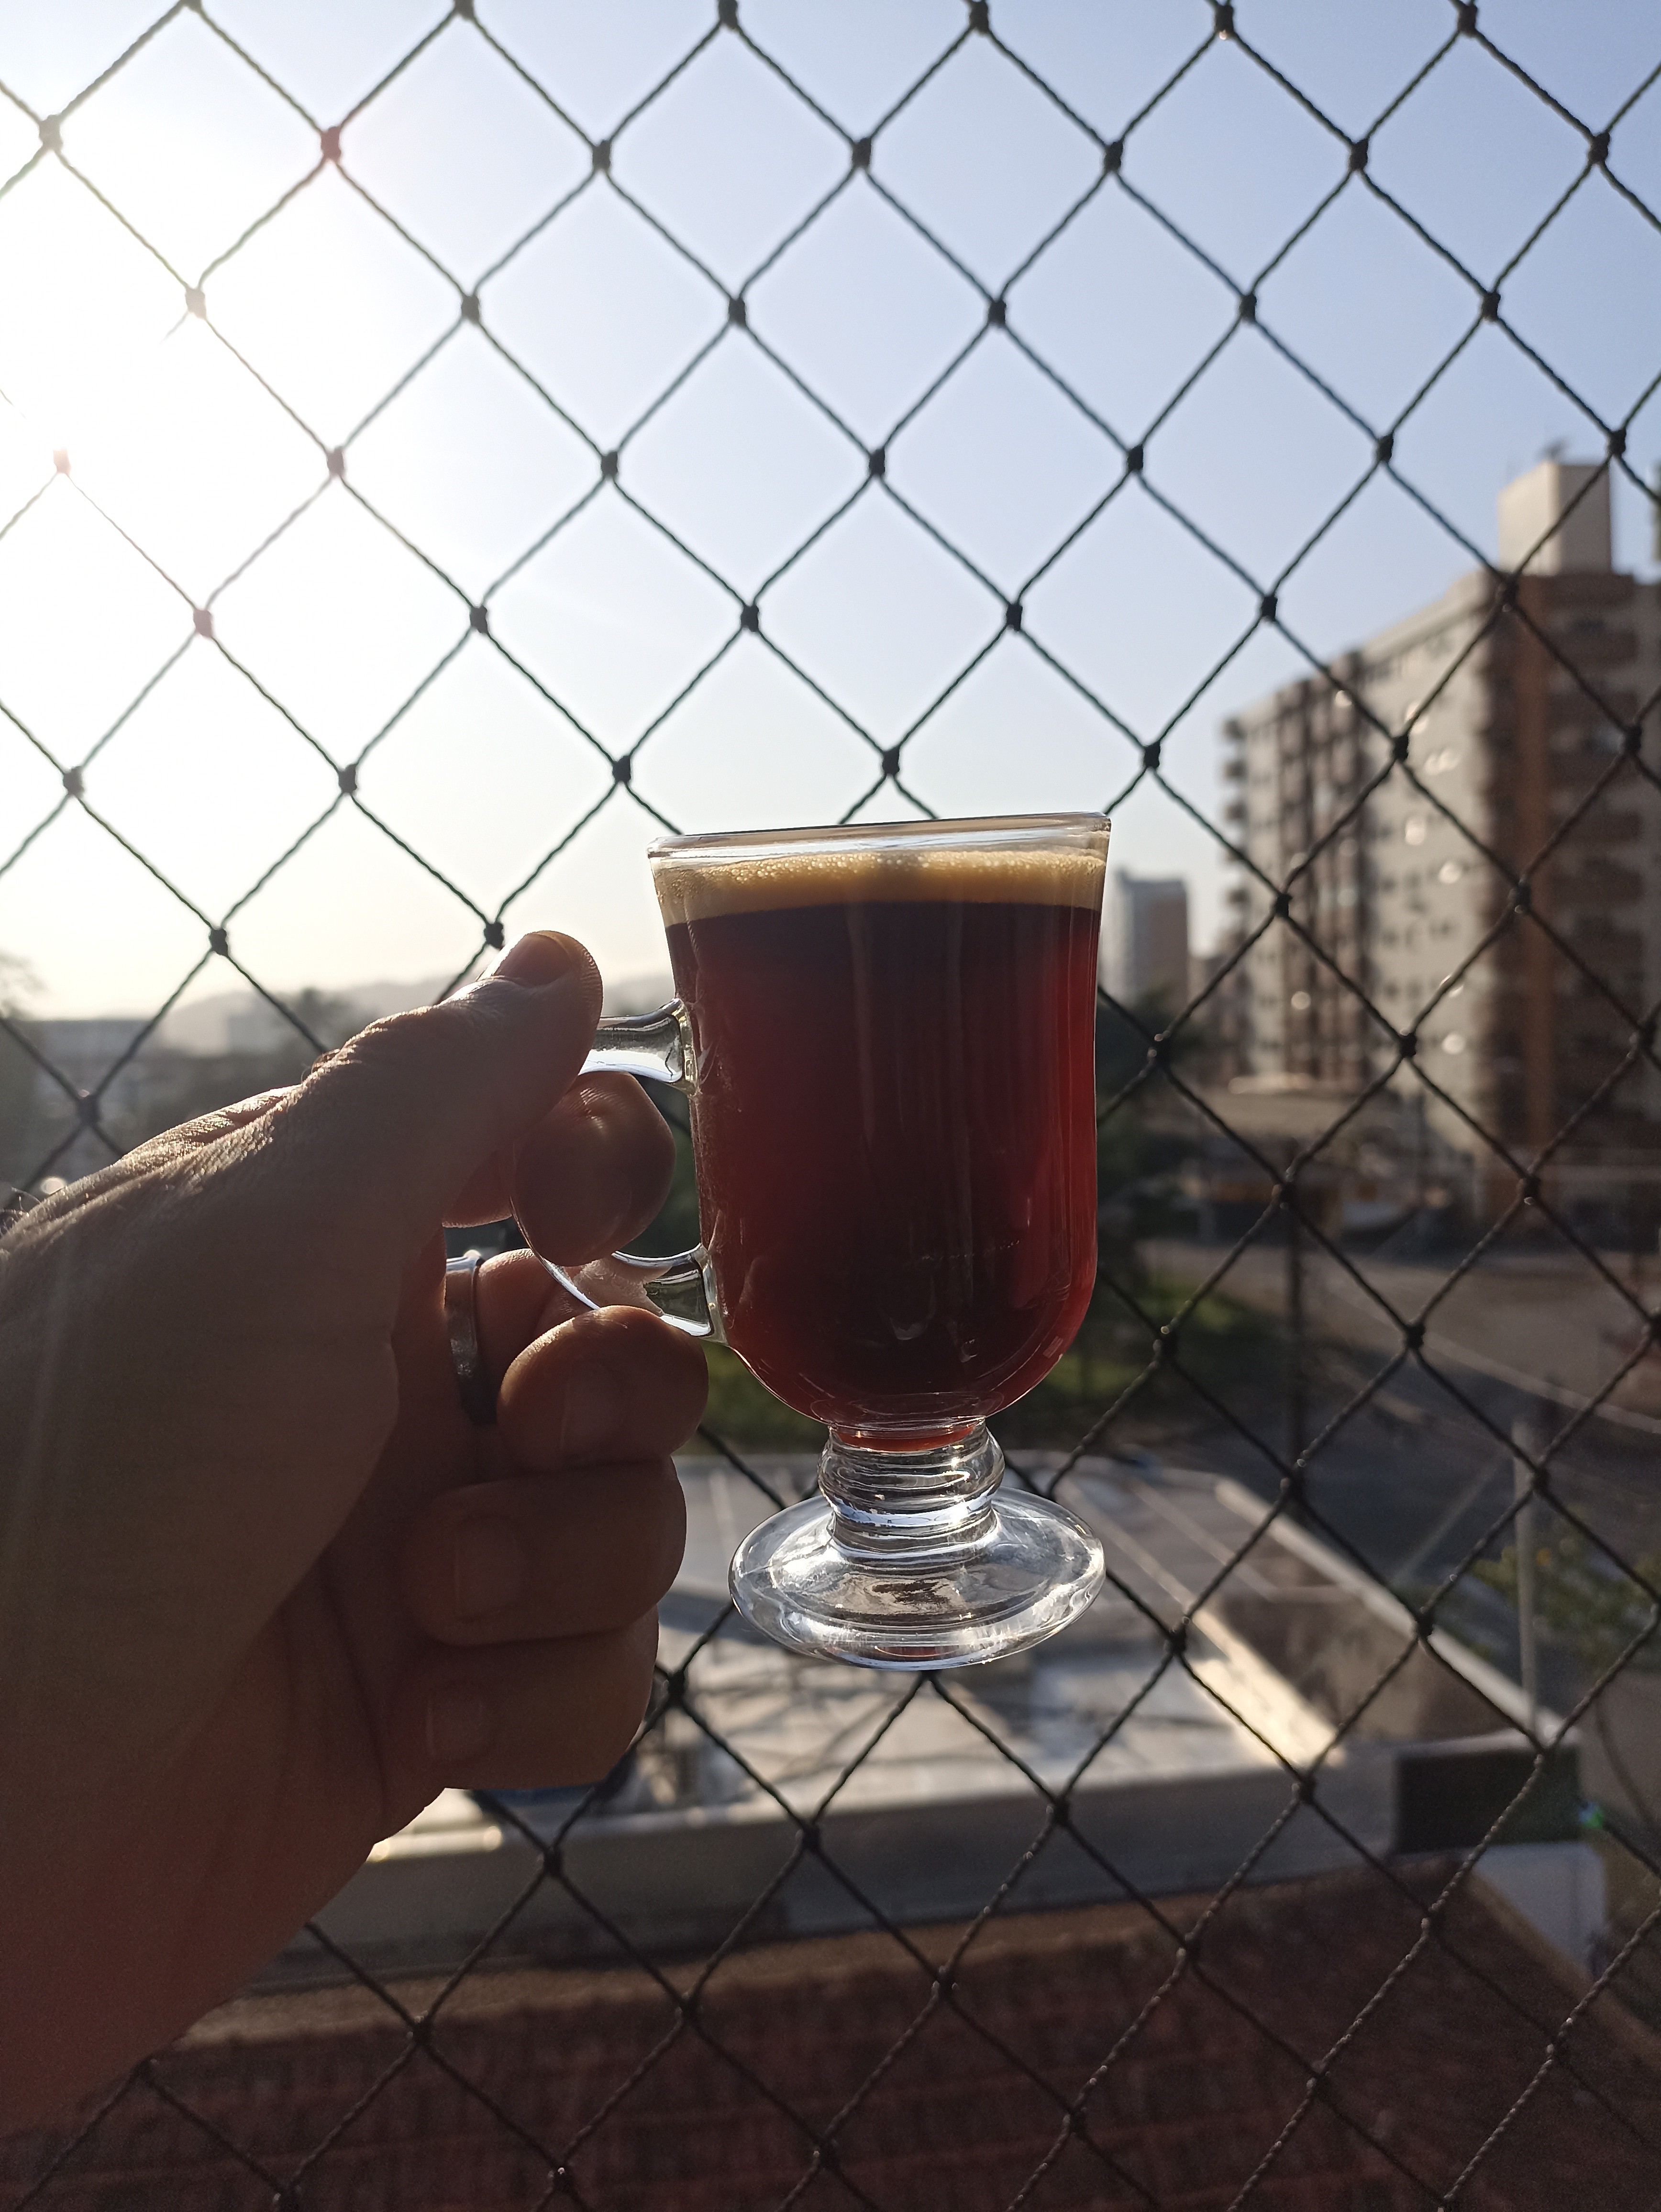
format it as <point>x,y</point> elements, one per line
<point>679,1286</point>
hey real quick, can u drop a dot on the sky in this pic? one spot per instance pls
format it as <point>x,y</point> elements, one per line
<point>191,440</point>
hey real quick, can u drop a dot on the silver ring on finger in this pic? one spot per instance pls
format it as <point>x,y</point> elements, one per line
<point>473,1384</point>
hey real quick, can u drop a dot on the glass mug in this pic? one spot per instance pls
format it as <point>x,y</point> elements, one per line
<point>887,1035</point>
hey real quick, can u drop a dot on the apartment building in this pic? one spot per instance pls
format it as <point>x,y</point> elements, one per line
<point>1145,952</point>
<point>1516,717</point>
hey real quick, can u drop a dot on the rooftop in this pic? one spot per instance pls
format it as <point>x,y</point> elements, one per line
<point>942,2067</point>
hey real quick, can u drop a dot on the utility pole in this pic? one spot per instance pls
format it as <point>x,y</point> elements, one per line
<point>1297,1404</point>
<point>1527,1438</point>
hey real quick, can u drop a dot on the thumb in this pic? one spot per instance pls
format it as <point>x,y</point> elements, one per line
<point>381,1135</point>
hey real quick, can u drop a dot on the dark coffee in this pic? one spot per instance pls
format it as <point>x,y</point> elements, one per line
<point>894,1124</point>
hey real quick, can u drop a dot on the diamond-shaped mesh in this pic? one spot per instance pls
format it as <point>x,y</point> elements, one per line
<point>454,361</point>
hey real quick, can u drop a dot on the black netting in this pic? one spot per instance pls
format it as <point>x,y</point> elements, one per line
<point>1344,1375</point>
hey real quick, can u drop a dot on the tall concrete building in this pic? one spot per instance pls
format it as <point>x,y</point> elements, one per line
<point>1508,715</point>
<point>1145,939</point>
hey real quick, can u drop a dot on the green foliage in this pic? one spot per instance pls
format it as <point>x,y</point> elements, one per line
<point>747,1416</point>
<point>19,1077</point>
<point>1222,1344</point>
<point>1581,1596</point>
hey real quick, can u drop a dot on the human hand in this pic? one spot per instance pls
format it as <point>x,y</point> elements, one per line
<point>263,1589</point>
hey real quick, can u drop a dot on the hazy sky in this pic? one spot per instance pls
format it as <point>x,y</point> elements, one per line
<point>339,623</point>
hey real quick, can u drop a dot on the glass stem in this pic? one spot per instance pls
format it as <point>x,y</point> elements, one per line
<point>903,1510</point>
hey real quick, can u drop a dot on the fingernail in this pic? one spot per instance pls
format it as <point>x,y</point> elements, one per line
<point>542,957</point>
<point>594,1409</point>
<point>458,1726</point>
<point>492,1566</point>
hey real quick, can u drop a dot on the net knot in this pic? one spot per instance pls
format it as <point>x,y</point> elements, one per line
<point>1357,157</point>
<point>60,459</point>
<point>1307,1786</point>
<point>1406,1043</point>
<point>1247,309</point>
<point>347,778</point>
<point>622,769</point>
<point>1268,607</point>
<point>980,16</point>
<point>1522,899</point>
<point>1014,614</point>
<point>1597,150</point>
<point>203,618</point>
<point>1616,443</point>
<point>1413,1335</point>
<point>997,313</point>
<point>74,782</point>
<point>219,941</point>
<point>1223,12</point>
<point>890,764</point>
<point>600,157</point>
<point>196,301</point>
<point>1113,158</point>
<point>1467,23</point>
<point>478,618</point>
<point>330,141</point>
<point>465,10</point>
<point>52,133</point>
<point>1490,308</point>
<point>737,312</point>
<point>85,1107</point>
<point>337,461</point>
<point>1531,1190</point>
<point>727,15</point>
<point>495,934</point>
<point>876,461</point>
<point>1176,1639</point>
<point>1282,905</point>
<point>1150,753</point>
<point>858,154</point>
<point>1383,449</point>
<point>470,313</point>
<point>1133,460</point>
<point>750,617</point>
<point>608,466</point>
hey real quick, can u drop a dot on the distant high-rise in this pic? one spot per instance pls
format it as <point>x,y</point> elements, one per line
<point>1509,723</point>
<point>1145,948</point>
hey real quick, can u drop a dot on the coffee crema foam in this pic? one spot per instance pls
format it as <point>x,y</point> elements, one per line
<point>699,890</point>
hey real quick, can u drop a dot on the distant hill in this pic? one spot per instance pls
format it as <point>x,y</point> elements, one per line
<point>241,1021</point>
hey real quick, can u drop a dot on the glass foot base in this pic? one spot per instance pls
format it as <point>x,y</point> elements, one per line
<point>910,1560</point>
